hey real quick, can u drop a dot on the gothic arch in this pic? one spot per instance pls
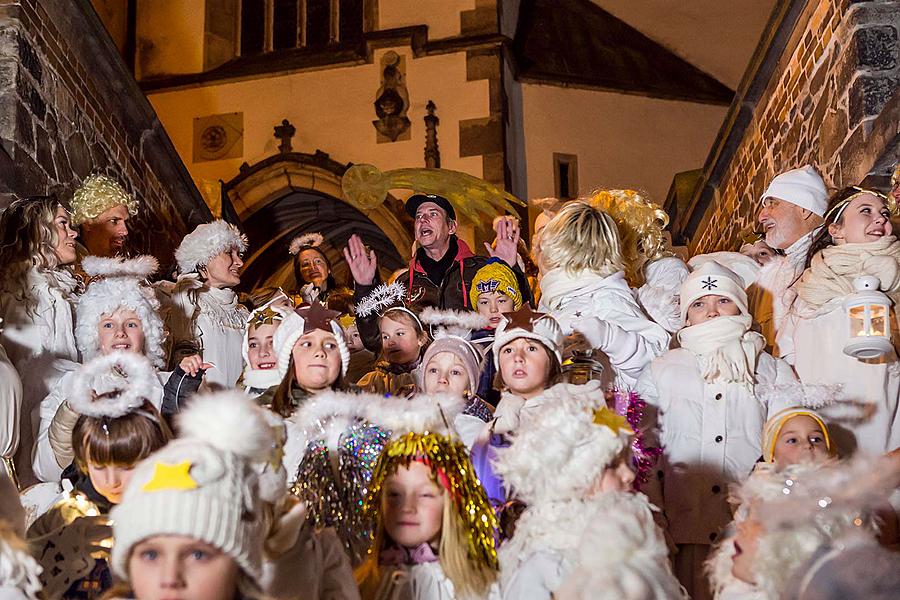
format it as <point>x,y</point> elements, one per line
<point>293,193</point>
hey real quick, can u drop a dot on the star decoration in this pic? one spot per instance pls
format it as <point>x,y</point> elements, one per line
<point>578,314</point>
<point>615,422</point>
<point>524,318</point>
<point>266,316</point>
<point>316,316</point>
<point>709,283</point>
<point>171,477</point>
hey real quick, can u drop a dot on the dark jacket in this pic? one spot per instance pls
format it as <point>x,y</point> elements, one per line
<point>452,292</point>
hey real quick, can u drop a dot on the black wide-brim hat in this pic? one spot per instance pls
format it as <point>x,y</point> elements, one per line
<point>417,200</point>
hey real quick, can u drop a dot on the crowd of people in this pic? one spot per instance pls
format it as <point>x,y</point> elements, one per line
<point>590,415</point>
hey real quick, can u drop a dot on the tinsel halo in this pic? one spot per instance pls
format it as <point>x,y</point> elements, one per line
<point>450,459</point>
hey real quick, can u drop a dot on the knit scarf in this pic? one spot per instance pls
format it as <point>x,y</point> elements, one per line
<point>830,276</point>
<point>725,348</point>
<point>221,306</point>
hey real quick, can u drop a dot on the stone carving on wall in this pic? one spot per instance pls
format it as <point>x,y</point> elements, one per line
<point>218,136</point>
<point>392,101</point>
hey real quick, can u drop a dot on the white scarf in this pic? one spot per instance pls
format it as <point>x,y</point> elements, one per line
<point>220,305</point>
<point>558,286</point>
<point>725,348</point>
<point>260,379</point>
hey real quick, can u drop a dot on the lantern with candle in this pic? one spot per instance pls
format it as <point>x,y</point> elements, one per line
<point>868,316</point>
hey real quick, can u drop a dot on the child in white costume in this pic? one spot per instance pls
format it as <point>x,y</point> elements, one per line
<point>117,312</point>
<point>434,527</point>
<point>201,311</point>
<point>856,241</point>
<point>583,286</point>
<point>711,415</point>
<point>37,297</point>
<point>567,456</point>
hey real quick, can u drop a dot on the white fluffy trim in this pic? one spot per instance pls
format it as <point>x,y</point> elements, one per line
<point>421,413</point>
<point>207,241</point>
<point>141,267</point>
<point>19,572</point>
<point>810,395</point>
<point>231,422</point>
<point>558,452</point>
<point>460,323</point>
<point>307,240</point>
<point>112,385</point>
<point>382,297</point>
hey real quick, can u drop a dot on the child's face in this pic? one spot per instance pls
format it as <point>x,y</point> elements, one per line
<point>399,342</point>
<point>617,477</point>
<point>354,342</point>
<point>746,543</point>
<point>110,480</point>
<point>446,374</point>
<point>524,366</point>
<point>492,305</point>
<point>175,566</point>
<point>317,360</point>
<point>801,439</point>
<point>413,506</point>
<point>121,331</point>
<point>709,307</point>
<point>259,346</point>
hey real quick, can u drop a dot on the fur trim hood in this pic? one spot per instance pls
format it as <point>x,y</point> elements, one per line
<point>205,242</point>
<point>119,284</point>
<point>112,385</point>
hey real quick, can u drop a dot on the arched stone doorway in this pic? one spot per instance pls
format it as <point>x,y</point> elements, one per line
<point>293,193</point>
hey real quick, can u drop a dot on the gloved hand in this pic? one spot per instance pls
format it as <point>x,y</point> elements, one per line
<point>60,434</point>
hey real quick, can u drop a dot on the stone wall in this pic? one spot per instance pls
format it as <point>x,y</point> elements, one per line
<point>824,92</point>
<point>69,108</point>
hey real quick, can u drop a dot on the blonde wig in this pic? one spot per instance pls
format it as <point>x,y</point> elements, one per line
<point>28,238</point>
<point>97,194</point>
<point>581,238</point>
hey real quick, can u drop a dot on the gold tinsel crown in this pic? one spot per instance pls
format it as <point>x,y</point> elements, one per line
<point>449,462</point>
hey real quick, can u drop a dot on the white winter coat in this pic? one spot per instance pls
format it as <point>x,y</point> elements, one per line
<point>424,581</point>
<point>44,463</point>
<point>630,341</point>
<point>872,385</point>
<point>34,340</point>
<point>711,437</point>
<point>10,407</point>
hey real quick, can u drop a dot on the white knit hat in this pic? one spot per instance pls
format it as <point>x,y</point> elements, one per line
<point>207,241</point>
<point>802,187</point>
<point>203,485</point>
<point>265,314</point>
<point>712,278</point>
<point>563,446</point>
<point>119,283</point>
<point>525,323</point>
<point>301,321</point>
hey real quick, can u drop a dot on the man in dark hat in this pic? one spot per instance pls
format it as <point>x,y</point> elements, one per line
<point>443,266</point>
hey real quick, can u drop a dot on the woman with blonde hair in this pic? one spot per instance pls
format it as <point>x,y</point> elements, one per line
<point>37,296</point>
<point>583,286</point>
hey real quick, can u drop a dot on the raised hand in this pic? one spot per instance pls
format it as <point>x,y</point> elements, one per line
<point>363,264</point>
<point>194,364</point>
<point>506,244</point>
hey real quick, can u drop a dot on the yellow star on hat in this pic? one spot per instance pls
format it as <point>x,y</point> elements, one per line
<point>171,477</point>
<point>615,421</point>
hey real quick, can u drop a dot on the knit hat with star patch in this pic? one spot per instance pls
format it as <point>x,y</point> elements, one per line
<point>711,278</point>
<point>204,485</point>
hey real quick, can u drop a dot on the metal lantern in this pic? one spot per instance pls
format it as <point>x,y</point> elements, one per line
<point>581,368</point>
<point>869,319</point>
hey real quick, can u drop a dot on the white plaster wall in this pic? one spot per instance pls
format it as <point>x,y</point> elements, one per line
<point>621,141</point>
<point>441,16</point>
<point>169,37</point>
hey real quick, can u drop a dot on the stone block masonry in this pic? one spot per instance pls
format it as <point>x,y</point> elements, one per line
<point>830,99</point>
<point>69,108</point>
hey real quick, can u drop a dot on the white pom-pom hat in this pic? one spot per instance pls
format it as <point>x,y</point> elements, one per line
<point>203,485</point>
<point>206,242</point>
<point>119,284</point>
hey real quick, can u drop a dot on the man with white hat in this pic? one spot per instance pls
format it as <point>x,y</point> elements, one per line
<point>792,211</point>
